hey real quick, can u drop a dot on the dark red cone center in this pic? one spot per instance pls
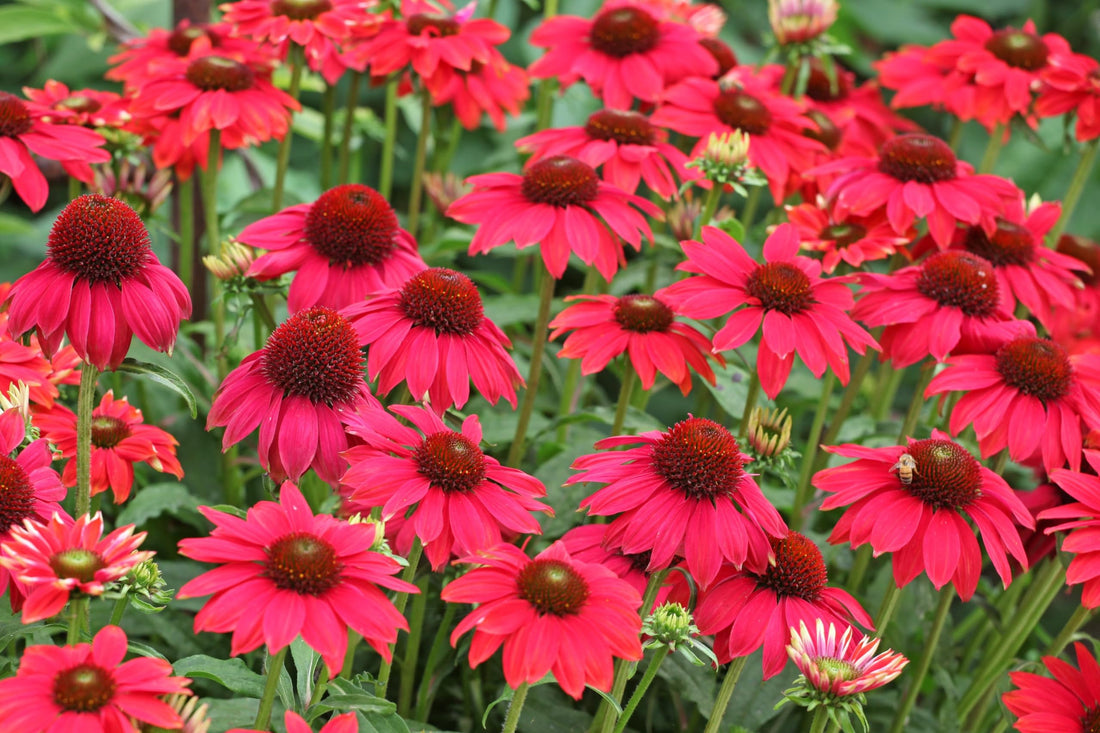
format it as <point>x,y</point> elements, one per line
<point>799,569</point>
<point>16,495</point>
<point>722,53</point>
<point>300,9</point>
<point>444,300</point>
<point>1020,49</point>
<point>108,431</point>
<point>181,39</point>
<point>960,280</point>
<point>1036,367</point>
<point>781,286</point>
<point>83,689</point>
<point>303,563</point>
<point>821,88</point>
<point>622,31</point>
<point>826,132</point>
<point>79,103</point>
<point>1011,244</point>
<point>700,458</point>
<point>433,24</point>
<point>622,126</point>
<point>450,461</point>
<point>99,239</point>
<point>210,73</point>
<point>77,563</point>
<point>352,226</point>
<point>643,313</point>
<point>1084,250</point>
<point>1090,721</point>
<point>15,118</point>
<point>560,181</point>
<point>314,354</point>
<point>552,586</point>
<point>946,475</point>
<point>742,111</point>
<point>916,157</point>
<point>844,234</point>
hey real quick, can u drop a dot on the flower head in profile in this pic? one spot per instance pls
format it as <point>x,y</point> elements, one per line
<point>296,390</point>
<point>1078,516</point>
<point>141,57</point>
<point>1068,703</point>
<point>99,285</point>
<point>1071,83</point>
<point>922,518</point>
<point>681,493</point>
<point>798,311</point>
<point>55,560</point>
<point>551,613</point>
<point>120,439</point>
<point>854,240</point>
<point>433,335</point>
<point>560,204</point>
<point>629,50</point>
<point>88,687</point>
<point>343,247</point>
<point>84,107</point>
<point>585,543</point>
<point>800,21</point>
<point>286,573</point>
<point>602,327</point>
<point>493,88</point>
<point>456,500</point>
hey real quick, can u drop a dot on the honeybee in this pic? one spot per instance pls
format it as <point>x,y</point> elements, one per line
<point>906,467</point>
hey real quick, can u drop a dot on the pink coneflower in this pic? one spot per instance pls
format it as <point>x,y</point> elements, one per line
<point>747,101</point>
<point>296,390</point>
<point>119,440</point>
<point>748,610</point>
<point>950,302</point>
<point>99,285</point>
<point>628,51</point>
<point>84,107</point>
<point>923,523</point>
<point>55,560</point>
<point>1071,83</point>
<point>553,614</point>
<point>798,310</point>
<point>285,572</point>
<point>838,667</point>
<point>24,130</point>
<point>855,240</point>
<point>346,723</point>
<point>1069,703</point>
<point>681,493</point>
<point>560,204</point>
<point>916,80</point>
<point>1080,517</point>
<point>1028,394</point>
<point>602,327</point>
<point>625,143</point>
<point>433,335</point>
<point>316,26</point>
<point>585,543</point>
<point>458,500</point>
<point>141,58</point>
<point>87,687</point>
<point>493,88</point>
<point>344,246</point>
<point>916,176</point>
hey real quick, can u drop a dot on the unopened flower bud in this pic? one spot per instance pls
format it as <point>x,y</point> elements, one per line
<point>725,160</point>
<point>444,189</point>
<point>769,431</point>
<point>670,624</point>
<point>685,210</point>
<point>139,184</point>
<point>232,261</point>
<point>379,543</point>
<point>191,712</point>
<point>800,21</point>
<point>729,149</point>
<point>146,575</point>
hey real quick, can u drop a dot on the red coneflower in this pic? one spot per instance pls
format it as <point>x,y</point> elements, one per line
<point>493,88</point>
<point>854,240</point>
<point>586,544</point>
<point>1069,703</point>
<point>84,107</point>
<point>1080,541</point>
<point>1072,84</point>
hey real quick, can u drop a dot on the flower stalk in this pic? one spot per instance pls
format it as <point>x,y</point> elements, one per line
<point>1073,193</point>
<point>295,62</point>
<point>942,610</point>
<point>349,127</point>
<point>725,693</point>
<point>274,671</point>
<point>85,403</point>
<point>416,192</point>
<point>515,707</point>
<point>538,348</point>
<point>402,600</point>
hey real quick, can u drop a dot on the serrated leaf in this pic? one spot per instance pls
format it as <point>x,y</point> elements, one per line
<point>232,674</point>
<point>163,376</point>
<point>161,498</point>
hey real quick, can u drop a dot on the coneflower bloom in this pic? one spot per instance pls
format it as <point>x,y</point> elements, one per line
<point>344,246</point>
<point>140,58</point>
<point>84,107</point>
<point>24,130</point>
<point>560,204</point>
<point>747,101</point>
<point>493,88</point>
<point>63,557</point>
<point>458,500</point>
<point>100,284</point>
<point>286,573</point>
<point>923,522</point>
<point>917,176</point>
<point>296,390</point>
<point>119,440</point>
<point>1070,84</point>
<point>1026,394</point>
<point>1069,703</point>
<point>585,543</point>
<point>628,51</point>
<point>681,493</point>
<point>915,80</point>
<point>625,143</point>
<point>602,327</point>
<point>855,240</point>
<point>950,301</point>
<point>747,610</point>
<point>840,667</point>
<point>552,614</point>
<point>798,310</point>
<point>433,335</point>
<point>88,687</point>
<point>1080,518</point>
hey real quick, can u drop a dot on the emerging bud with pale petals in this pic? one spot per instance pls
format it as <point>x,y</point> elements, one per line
<point>769,431</point>
<point>725,161</point>
<point>800,21</point>
<point>444,189</point>
<point>232,261</point>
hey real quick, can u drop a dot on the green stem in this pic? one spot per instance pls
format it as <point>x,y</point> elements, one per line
<point>886,608</point>
<point>652,588</point>
<point>417,191</point>
<point>821,717</point>
<point>538,347</point>
<point>118,610</point>
<point>349,657</point>
<point>349,125</point>
<point>886,385</point>
<point>725,692</point>
<point>643,685</point>
<point>402,600</point>
<point>85,403</point>
<point>992,149</point>
<point>942,610</point>
<point>274,670</point>
<point>282,162</point>
<point>425,693</point>
<point>412,649</point>
<point>385,173</point>
<point>514,708</point>
<point>1076,621</point>
<point>927,370</point>
<point>809,455</point>
<point>627,388</point>
<point>859,569</point>
<point>999,462</point>
<point>751,204</point>
<point>955,134</point>
<point>573,371</point>
<point>847,399</point>
<point>328,109</point>
<point>75,188</point>
<point>187,232</point>
<point>78,609</point>
<point>545,105</point>
<point>750,402</point>
<point>1073,194</point>
<point>710,206</point>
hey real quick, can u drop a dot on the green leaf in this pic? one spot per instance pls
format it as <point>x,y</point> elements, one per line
<point>161,498</point>
<point>232,674</point>
<point>379,723</point>
<point>159,374</point>
<point>21,23</point>
<point>305,662</point>
<point>346,695</point>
